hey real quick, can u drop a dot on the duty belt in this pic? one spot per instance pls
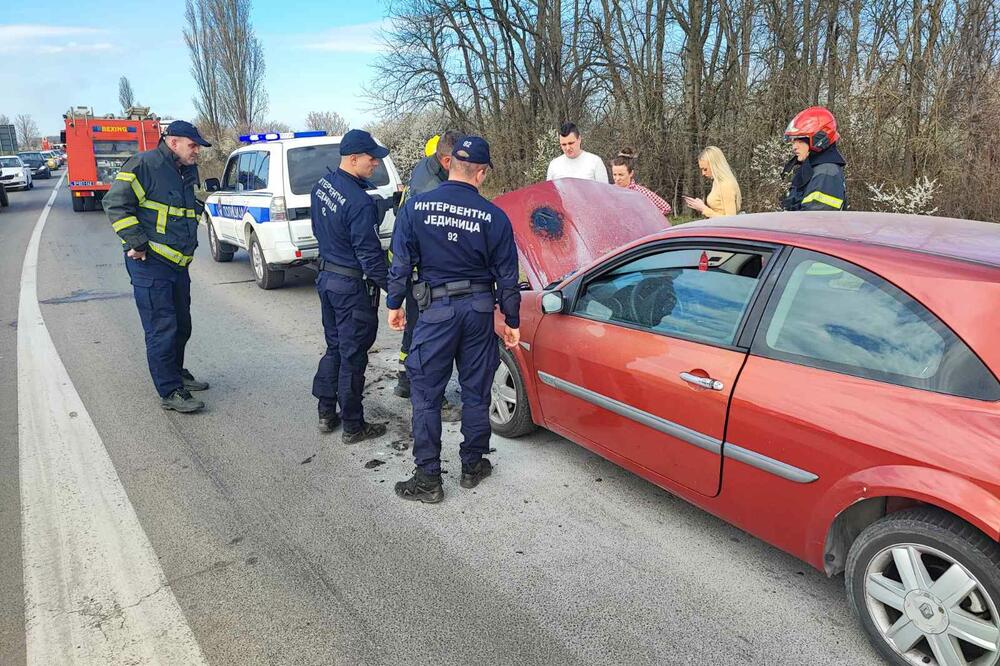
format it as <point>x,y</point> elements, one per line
<point>331,267</point>
<point>460,288</point>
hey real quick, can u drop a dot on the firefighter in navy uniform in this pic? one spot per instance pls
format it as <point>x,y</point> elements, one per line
<point>430,172</point>
<point>818,182</point>
<point>463,248</point>
<point>352,270</point>
<point>153,210</point>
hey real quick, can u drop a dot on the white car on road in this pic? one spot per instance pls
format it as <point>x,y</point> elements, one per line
<point>15,174</point>
<point>262,203</point>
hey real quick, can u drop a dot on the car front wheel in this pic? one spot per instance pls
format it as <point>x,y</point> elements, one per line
<point>926,588</point>
<point>510,413</point>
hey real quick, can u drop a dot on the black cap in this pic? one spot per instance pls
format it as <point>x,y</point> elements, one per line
<point>357,142</point>
<point>472,149</point>
<point>186,129</point>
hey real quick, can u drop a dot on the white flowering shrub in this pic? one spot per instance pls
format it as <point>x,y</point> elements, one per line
<point>767,184</point>
<point>405,137</point>
<point>546,149</point>
<point>915,199</point>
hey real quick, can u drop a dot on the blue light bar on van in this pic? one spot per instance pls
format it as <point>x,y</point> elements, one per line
<point>278,136</point>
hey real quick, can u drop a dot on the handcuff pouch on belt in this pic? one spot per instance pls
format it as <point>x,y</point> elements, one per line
<point>422,295</point>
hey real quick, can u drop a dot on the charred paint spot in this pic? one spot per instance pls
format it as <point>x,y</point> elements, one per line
<point>547,223</point>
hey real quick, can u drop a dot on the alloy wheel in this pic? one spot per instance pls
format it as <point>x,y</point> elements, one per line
<point>503,396</point>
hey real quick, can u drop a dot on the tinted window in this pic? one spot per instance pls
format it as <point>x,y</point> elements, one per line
<point>246,170</point>
<point>834,315</point>
<point>260,171</point>
<point>116,147</point>
<point>306,165</point>
<point>229,180</point>
<point>696,293</point>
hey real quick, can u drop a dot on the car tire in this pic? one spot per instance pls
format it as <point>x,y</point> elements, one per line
<point>931,542</point>
<point>510,413</point>
<point>77,202</point>
<point>221,252</point>
<point>267,278</point>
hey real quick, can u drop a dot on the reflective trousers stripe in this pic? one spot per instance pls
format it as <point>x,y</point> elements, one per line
<point>125,223</point>
<point>825,199</point>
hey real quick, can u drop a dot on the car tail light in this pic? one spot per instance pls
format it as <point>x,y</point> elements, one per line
<point>278,209</point>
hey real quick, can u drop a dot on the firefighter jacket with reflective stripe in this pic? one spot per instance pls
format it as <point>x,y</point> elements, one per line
<point>151,206</point>
<point>818,183</point>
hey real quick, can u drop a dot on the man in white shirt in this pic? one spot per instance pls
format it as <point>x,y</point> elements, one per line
<point>575,162</point>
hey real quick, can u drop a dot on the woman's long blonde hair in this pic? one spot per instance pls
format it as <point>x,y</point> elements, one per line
<point>721,171</point>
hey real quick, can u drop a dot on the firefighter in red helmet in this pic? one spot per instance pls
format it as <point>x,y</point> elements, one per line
<point>818,182</point>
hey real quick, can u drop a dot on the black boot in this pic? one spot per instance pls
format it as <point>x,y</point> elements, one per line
<point>328,422</point>
<point>181,401</point>
<point>421,487</point>
<point>368,431</point>
<point>471,476</point>
<point>402,387</point>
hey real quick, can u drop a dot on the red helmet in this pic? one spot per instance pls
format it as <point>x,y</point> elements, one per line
<point>816,125</point>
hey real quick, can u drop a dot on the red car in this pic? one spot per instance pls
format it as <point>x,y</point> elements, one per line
<point>825,381</point>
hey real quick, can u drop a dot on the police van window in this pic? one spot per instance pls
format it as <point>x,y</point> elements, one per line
<point>694,293</point>
<point>229,180</point>
<point>244,177</point>
<point>306,165</point>
<point>260,171</point>
<point>839,317</point>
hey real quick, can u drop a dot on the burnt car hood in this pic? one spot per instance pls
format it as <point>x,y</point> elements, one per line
<point>564,224</point>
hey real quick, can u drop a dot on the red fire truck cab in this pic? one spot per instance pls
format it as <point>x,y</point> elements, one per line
<point>96,149</point>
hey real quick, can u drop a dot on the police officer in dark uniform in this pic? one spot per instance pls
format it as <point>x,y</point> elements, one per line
<point>152,208</point>
<point>463,248</point>
<point>352,269</point>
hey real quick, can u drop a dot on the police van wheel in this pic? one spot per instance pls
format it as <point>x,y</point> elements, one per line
<point>510,414</point>
<point>267,278</point>
<point>220,251</point>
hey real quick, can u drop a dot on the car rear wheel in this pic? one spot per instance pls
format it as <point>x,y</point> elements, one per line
<point>926,587</point>
<point>510,413</point>
<point>267,278</point>
<point>221,252</point>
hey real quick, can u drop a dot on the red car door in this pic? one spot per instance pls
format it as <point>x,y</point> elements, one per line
<point>641,362</point>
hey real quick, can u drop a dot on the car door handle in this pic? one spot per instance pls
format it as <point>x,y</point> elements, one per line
<point>703,382</point>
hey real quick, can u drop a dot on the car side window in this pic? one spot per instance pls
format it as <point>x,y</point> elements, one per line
<point>259,177</point>
<point>244,179</point>
<point>697,293</point>
<point>229,180</point>
<point>830,314</point>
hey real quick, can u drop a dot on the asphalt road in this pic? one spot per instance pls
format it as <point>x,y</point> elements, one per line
<point>284,546</point>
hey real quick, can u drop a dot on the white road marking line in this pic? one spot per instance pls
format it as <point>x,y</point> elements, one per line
<point>94,592</point>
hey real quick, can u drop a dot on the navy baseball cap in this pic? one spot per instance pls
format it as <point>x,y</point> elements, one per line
<point>356,142</point>
<point>186,129</point>
<point>472,149</point>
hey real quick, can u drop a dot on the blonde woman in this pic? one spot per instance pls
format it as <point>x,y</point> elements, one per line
<point>725,197</point>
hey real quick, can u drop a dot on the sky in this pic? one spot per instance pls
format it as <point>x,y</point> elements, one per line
<point>62,53</point>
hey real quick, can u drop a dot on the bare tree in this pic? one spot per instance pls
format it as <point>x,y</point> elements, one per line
<point>125,95</point>
<point>201,39</point>
<point>330,121</point>
<point>4,120</point>
<point>27,130</point>
<point>241,63</point>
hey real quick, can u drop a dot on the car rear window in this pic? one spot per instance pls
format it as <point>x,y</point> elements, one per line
<point>833,315</point>
<point>306,165</point>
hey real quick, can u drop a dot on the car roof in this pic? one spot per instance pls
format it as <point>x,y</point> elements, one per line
<point>291,143</point>
<point>965,240</point>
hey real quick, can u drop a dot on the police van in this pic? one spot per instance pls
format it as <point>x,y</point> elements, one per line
<point>262,203</point>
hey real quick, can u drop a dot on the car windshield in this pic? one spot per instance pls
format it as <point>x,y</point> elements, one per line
<point>30,156</point>
<point>9,162</point>
<point>306,165</point>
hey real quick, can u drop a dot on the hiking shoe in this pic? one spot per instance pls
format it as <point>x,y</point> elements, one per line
<point>181,401</point>
<point>471,476</point>
<point>450,412</point>
<point>192,384</point>
<point>402,387</point>
<point>368,431</point>
<point>328,422</point>
<point>421,487</point>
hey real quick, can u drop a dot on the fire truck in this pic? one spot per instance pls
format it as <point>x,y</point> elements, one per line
<point>98,147</point>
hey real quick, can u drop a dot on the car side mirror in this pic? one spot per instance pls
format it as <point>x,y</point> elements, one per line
<point>212,185</point>
<point>552,302</point>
